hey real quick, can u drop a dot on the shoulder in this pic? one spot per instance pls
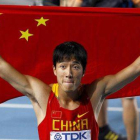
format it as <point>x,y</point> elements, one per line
<point>95,87</point>
<point>35,82</point>
<point>40,89</point>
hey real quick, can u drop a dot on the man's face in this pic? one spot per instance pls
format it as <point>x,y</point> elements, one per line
<point>69,74</point>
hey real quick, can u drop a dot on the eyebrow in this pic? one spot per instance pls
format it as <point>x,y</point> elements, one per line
<point>74,62</point>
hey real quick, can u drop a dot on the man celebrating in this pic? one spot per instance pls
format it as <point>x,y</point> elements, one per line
<point>68,110</point>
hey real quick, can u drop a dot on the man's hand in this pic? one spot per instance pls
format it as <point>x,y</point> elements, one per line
<point>136,3</point>
<point>71,3</point>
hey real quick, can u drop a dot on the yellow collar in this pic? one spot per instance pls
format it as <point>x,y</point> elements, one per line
<point>55,89</point>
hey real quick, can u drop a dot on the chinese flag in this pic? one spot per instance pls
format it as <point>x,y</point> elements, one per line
<point>28,36</point>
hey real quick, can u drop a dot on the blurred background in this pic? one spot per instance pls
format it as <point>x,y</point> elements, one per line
<point>74,3</point>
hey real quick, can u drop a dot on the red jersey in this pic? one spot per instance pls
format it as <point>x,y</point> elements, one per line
<point>64,124</point>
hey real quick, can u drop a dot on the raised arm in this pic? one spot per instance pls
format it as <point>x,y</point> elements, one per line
<point>23,83</point>
<point>15,78</point>
<point>122,78</point>
<point>100,88</point>
<point>36,90</point>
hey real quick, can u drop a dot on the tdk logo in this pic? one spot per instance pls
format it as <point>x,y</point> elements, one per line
<point>57,136</point>
<point>75,136</point>
<point>71,136</point>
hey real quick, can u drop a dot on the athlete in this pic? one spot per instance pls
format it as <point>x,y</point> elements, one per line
<point>68,110</point>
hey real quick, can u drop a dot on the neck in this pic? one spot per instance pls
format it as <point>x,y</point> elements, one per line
<point>68,96</point>
<point>69,100</point>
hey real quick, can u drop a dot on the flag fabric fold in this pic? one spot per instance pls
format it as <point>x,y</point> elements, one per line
<point>28,36</point>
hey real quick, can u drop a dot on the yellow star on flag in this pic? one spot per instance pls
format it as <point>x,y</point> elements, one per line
<point>1,13</point>
<point>25,34</point>
<point>41,21</point>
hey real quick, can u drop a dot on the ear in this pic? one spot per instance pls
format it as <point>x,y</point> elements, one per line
<point>84,73</point>
<point>54,70</point>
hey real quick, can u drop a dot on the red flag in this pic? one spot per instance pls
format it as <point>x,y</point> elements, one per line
<point>28,36</point>
<point>56,114</point>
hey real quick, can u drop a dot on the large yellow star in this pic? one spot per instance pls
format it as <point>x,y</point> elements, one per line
<point>41,21</point>
<point>1,13</point>
<point>25,34</point>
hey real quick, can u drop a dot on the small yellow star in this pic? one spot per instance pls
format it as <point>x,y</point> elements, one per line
<point>41,21</point>
<point>25,34</point>
<point>1,13</point>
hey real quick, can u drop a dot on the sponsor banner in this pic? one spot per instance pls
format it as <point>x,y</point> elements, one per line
<point>71,135</point>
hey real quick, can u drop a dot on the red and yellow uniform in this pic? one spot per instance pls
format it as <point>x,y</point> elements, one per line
<point>64,124</point>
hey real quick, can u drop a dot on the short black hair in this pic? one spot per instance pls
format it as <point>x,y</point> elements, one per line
<point>68,51</point>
